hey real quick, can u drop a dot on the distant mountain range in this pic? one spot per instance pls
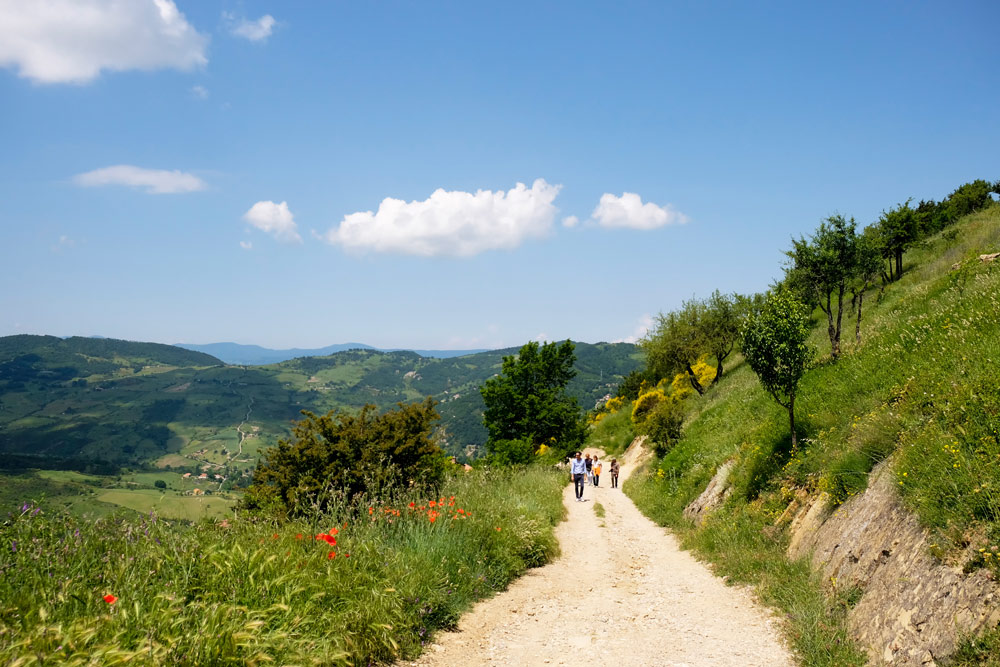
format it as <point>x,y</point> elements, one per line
<point>255,355</point>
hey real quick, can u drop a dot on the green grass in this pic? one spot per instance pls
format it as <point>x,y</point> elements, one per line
<point>922,389</point>
<point>613,433</point>
<point>167,504</point>
<point>256,592</point>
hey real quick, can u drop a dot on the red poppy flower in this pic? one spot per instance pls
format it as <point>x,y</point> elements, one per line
<point>110,599</point>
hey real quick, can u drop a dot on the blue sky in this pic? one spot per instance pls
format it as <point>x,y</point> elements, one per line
<point>298,174</point>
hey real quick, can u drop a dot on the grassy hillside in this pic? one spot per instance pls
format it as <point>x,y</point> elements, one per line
<point>921,388</point>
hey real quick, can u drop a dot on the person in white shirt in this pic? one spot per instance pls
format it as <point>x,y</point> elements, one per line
<point>578,472</point>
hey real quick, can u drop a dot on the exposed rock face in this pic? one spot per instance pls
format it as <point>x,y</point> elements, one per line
<point>914,608</point>
<point>713,495</point>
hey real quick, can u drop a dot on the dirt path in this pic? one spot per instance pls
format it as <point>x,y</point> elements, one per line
<point>622,593</point>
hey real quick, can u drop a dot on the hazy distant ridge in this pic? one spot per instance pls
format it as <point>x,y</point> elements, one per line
<point>255,355</point>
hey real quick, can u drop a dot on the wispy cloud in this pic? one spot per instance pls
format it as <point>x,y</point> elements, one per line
<point>628,211</point>
<point>275,219</point>
<point>72,41</point>
<point>155,181</point>
<point>642,327</point>
<point>453,223</point>
<point>255,31</point>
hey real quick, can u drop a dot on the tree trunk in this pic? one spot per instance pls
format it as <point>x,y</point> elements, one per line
<point>791,420</point>
<point>840,318</point>
<point>718,371</point>
<point>830,331</point>
<point>857,325</point>
<point>694,380</point>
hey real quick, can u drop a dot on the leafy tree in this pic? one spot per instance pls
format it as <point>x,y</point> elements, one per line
<point>676,343</point>
<point>823,265</point>
<point>340,452</point>
<point>632,384</point>
<point>775,347</point>
<point>968,198</point>
<point>527,401</point>
<point>899,230</point>
<point>720,327</point>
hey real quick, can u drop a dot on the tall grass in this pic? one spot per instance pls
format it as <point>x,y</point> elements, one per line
<point>257,592</point>
<point>921,388</point>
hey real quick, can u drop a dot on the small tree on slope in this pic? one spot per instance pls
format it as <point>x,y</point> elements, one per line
<point>774,344</point>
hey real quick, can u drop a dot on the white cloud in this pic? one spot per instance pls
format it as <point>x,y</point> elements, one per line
<point>629,211</point>
<point>451,223</point>
<point>255,31</point>
<point>246,245</point>
<point>275,219</point>
<point>156,181</point>
<point>201,92</point>
<point>570,221</point>
<point>71,41</point>
<point>642,328</point>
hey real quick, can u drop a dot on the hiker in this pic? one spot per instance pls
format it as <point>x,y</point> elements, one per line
<point>577,472</point>
<point>590,469</point>
<point>597,472</point>
<point>615,468</point>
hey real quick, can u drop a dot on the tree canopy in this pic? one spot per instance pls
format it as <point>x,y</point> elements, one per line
<point>823,265</point>
<point>346,453</point>
<point>775,347</point>
<point>527,402</point>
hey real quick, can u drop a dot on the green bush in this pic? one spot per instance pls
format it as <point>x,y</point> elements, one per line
<point>663,425</point>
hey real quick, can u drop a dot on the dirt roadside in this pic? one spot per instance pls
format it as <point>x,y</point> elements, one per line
<point>621,593</point>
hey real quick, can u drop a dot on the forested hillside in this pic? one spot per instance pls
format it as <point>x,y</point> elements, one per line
<point>95,404</point>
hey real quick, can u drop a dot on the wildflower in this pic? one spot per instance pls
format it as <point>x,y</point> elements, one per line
<point>110,599</point>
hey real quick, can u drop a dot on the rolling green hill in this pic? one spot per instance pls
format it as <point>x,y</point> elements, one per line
<point>93,405</point>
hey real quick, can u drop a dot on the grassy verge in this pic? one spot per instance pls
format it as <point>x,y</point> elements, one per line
<point>253,592</point>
